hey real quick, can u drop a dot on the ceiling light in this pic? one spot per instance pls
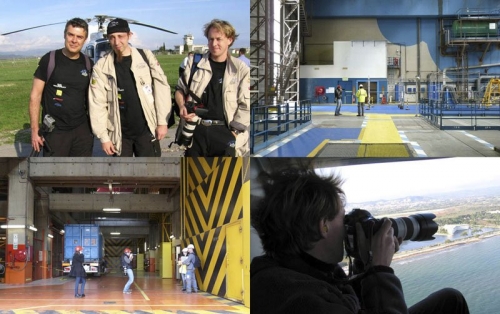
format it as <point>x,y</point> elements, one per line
<point>32,228</point>
<point>50,236</point>
<point>111,209</point>
<point>115,233</point>
<point>12,226</point>
<point>62,232</point>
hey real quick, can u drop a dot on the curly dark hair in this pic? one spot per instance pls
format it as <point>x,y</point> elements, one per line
<point>295,201</point>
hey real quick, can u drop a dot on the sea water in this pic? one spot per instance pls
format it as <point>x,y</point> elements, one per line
<point>472,268</point>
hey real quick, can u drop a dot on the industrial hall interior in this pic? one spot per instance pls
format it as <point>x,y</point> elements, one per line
<point>375,79</point>
<point>149,209</point>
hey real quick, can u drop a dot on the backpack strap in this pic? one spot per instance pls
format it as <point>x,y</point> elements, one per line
<point>196,59</point>
<point>143,54</point>
<point>52,64</point>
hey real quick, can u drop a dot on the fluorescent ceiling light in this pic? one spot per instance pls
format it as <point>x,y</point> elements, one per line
<point>115,233</point>
<point>62,232</point>
<point>50,236</point>
<point>12,226</point>
<point>32,228</point>
<point>111,209</point>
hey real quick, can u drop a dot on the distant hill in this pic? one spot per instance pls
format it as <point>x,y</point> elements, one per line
<point>23,54</point>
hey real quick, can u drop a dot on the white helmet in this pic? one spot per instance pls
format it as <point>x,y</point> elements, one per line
<point>360,85</point>
<point>190,246</point>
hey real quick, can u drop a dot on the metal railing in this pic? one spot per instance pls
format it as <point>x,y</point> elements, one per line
<point>467,116</point>
<point>271,123</point>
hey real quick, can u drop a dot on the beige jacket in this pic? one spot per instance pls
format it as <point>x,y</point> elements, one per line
<point>235,94</point>
<point>152,88</point>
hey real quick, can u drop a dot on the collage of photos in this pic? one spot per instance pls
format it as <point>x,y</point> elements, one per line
<point>249,156</point>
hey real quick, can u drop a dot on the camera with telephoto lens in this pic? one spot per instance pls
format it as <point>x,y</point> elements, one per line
<point>418,227</point>
<point>49,123</point>
<point>183,138</point>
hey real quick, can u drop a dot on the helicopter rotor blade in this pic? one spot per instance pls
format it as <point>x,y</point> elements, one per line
<point>151,26</point>
<point>22,30</point>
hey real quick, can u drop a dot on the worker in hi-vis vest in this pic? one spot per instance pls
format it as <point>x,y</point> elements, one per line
<point>361,95</point>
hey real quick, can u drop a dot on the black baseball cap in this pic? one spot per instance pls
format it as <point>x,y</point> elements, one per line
<point>118,26</point>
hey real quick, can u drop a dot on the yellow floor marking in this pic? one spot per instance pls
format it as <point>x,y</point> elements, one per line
<point>318,148</point>
<point>142,292</point>
<point>380,129</point>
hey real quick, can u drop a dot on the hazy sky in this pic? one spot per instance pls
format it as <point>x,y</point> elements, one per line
<point>372,182</point>
<point>180,16</point>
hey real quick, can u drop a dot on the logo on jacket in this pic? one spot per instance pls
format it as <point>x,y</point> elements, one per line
<point>84,72</point>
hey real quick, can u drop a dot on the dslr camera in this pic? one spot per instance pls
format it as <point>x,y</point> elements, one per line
<point>418,227</point>
<point>183,138</point>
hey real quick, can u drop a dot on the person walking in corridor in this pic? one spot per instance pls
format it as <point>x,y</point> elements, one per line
<point>127,258</point>
<point>361,96</point>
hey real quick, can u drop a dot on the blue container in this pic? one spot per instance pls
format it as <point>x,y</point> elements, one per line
<point>86,235</point>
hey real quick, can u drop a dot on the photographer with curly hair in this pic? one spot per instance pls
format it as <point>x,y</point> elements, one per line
<point>300,222</point>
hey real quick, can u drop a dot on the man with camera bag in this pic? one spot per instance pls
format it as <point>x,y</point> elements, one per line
<point>220,86</point>
<point>60,84</point>
<point>300,222</point>
<point>129,98</point>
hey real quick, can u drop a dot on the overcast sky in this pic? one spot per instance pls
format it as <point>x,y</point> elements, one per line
<point>370,182</point>
<point>180,16</point>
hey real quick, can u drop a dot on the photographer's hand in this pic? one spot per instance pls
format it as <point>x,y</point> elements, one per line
<point>36,140</point>
<point>384,244</point>
<point>185,115</point>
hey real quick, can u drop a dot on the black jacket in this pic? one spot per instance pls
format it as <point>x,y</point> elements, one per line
<point>77,269</point>
<point>306,285</point>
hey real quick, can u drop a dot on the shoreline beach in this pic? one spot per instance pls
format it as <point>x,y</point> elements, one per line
<point>442,246</point>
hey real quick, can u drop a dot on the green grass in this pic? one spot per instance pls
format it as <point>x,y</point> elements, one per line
<point>16,77</point>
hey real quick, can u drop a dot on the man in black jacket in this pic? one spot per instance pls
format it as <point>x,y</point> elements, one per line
<point>300,221</point>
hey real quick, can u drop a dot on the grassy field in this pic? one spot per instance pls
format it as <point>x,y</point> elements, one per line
<point>16,77</point>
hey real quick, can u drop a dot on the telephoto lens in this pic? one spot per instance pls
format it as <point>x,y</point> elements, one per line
<point>418,227</point>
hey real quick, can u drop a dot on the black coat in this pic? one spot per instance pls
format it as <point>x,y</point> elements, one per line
<point>296,286</point>
<point>77,269</point>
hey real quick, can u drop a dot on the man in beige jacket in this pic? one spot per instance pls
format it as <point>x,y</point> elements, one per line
<point>129,99</point>
<point>220,84</point>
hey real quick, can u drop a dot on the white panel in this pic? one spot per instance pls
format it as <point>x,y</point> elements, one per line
<point>352,59</point>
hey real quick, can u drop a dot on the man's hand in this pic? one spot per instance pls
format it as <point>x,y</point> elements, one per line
<point>36,140</point>
<point>161,131</point>
<point>185,115</point>
<point>384,244</point>
<point>108,148</point>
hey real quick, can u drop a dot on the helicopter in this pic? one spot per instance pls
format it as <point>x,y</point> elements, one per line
<point>98,44</point>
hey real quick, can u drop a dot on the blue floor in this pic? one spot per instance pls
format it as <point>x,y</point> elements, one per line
<point>304,144</point>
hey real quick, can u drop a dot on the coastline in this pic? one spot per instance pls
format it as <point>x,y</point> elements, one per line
<point>439,247</point>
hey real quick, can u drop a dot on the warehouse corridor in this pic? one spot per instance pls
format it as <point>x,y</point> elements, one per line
<point>149,293</point>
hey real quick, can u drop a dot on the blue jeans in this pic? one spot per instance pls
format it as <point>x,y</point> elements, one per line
<point>183,281</point>
<point>191,281</point>
<point>130,274</point>
<point>77,283</point>
<point>339,105</point>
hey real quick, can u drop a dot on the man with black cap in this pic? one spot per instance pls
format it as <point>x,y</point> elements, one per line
<point>129,98</point>
<point>220,84</point>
